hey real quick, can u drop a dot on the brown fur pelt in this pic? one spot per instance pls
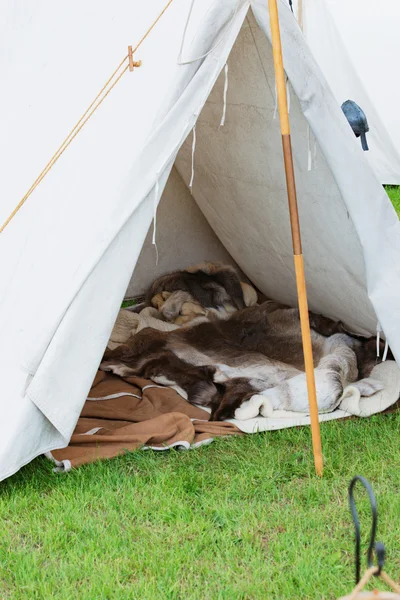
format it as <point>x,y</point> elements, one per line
<point>178,307</point>
<point>256,353</point>
<point>210,284</point>
<point>215,285</point>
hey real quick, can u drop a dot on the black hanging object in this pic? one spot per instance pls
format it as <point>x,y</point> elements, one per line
<point>291,5</point>
<point>378,547</point>
<point>358,121</point>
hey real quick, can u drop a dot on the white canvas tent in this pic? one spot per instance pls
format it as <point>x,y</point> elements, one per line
<point>356,44</point>
<point>68,255</point>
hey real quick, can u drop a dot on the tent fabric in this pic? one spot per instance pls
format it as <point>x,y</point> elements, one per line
<point>356,44</point>
<point>183,237</point>
<point>68,255</point>
<point>351,233</point>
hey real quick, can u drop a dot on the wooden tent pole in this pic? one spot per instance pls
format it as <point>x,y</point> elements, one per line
<point>295,226</point>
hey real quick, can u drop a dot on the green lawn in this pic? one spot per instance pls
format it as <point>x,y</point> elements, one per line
<point>393,192</point>
<point>243,518</point>
<point>128,303</point>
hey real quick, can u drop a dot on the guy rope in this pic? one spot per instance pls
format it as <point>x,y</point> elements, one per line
<point>127,63</point>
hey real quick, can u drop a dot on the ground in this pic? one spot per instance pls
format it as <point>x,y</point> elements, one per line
<point>394,194</point>
<point>243,518</point>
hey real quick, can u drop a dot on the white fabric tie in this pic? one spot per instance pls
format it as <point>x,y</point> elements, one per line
<point>385,352</point>
<point>225,93</point>
<point>378,336</point>
<point>193,150</point>
<point>309,161</point>
<point>156,192</point>
<point>311,154</point>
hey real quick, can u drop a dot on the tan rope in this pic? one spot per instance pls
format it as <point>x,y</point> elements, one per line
<point>73,133</point>
<point>395,586</point>
<point>363,582</point>
<point>367,576</point>
<point>101,96</point>
<point>155,23</point>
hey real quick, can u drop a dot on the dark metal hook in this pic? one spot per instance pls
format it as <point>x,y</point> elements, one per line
<point>379,547</point>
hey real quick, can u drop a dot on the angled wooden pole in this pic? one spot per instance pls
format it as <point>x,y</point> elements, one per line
<point>296,238</point>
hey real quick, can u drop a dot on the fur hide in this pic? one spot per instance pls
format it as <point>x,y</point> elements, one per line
<point>210,286</point>
<point>250,363</point>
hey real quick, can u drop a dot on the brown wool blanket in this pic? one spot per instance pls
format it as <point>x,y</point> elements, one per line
<point>121,415</point>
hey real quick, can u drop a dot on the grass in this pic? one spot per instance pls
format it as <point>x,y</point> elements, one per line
<point>393,191</point>
<point>244,518</point>
<point>127,303</point>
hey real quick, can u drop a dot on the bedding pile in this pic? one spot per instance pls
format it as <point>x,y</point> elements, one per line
<point>125,411</point>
